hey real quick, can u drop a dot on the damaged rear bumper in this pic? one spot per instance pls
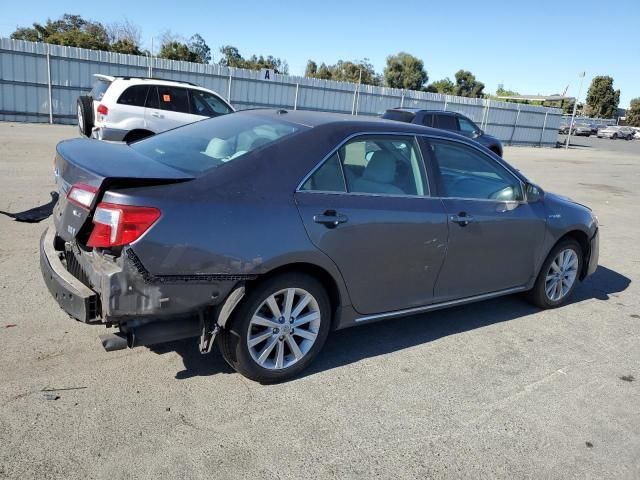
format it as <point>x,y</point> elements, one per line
<point>95,287</point>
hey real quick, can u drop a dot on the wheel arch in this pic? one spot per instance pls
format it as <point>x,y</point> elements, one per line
<point>327,280</point>
<point>137,131</point>
<point>583,240</point>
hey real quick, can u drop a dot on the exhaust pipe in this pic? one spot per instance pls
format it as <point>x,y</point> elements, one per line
<point>152,333</point>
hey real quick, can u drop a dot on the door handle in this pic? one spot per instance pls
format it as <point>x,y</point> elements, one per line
<point>157,115</point>
<point>461,219</point>
<point>330,218</point>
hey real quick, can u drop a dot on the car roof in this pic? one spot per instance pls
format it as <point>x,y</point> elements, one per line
<point>423,110</point>
<point>344,121</point>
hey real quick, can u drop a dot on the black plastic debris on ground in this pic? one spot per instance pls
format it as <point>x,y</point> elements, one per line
<point>36,214</point>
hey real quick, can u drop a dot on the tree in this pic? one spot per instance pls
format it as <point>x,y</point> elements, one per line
<point>602,99</point>
<point>124,38</point>
<point>231,58</point>
<point>175,50</point>
<point>467,85</point>
<point>445,86</point>
<point>69,30</point>
<point>403,70</point>
<point>501,92</point>
<point>344,71</point>
<point>633,114</point>
<point>200,49</point>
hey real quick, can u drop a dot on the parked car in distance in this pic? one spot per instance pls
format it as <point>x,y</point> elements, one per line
<point>131,108</point>
<point>452,121</point>
<point>563,129</point>
<point>614,132</point>
<point>266,229</point>
<point>582,130</point>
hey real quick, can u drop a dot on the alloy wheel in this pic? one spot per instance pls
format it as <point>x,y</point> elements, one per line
<point>80,119</point>
<point>284,328</point>
<point>561,275</point>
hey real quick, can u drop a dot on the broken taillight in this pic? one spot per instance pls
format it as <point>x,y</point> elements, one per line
<point>116,225</point>
<point>82,195</point>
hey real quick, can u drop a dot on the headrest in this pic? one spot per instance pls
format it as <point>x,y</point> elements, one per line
<point>381,168</point>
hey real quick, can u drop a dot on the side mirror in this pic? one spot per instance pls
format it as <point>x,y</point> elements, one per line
<point>534,193</point>
<point>478,133</point>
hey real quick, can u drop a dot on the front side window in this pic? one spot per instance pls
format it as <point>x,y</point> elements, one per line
<point>208,144</point>
<point>467,127</point>
<point>134,96</point>
<point>468,173</point>
<point>174,99</point>
<point>388,165</point>
<point>207,104</point>
<point>446,122</point>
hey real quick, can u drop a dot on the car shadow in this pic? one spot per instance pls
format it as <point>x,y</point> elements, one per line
<point>354,344</point>
<point>35,214</point>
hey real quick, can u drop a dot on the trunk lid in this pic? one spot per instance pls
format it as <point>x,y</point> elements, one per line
<point>100,165</point>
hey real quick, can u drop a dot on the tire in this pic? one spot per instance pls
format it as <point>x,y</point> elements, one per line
<point>135,135</point>
<point>538,294</point>
<point>85,115</point>
<point>233,341</point>
<point>614,136</point>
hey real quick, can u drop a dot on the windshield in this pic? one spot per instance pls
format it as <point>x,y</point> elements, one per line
<point>208,144</point>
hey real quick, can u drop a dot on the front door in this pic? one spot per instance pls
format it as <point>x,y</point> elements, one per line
<point>369,209</point>
<point>495,238</point>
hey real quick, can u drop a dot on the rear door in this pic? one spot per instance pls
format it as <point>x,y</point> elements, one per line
<point>368,207</point>
<point>168,107</point>
<point>495,237</point>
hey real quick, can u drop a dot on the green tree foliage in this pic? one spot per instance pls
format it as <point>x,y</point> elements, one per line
<point>403,70</point>
<point>467,85</point>
<point>602,99</point>
<point>124,38</point>
<point>633,114</point>
<point>502,92</point>
<point>445,86</point>
<point>69,30</point>
<point>344,71</point>
<point>231,58</point>
<point>174,47</point>
<point>200,49</point>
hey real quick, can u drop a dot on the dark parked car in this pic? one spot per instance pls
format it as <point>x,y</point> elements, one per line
<point>452,121</point>
<point>267,229</point>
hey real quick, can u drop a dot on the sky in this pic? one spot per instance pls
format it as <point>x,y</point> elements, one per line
<point>530,47</point>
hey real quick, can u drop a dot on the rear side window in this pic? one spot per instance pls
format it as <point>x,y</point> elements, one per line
<point>207,104</point>
<point>134,96</point>
<point>427,120</point>
<point>446,122</point>
<point>99,89</point>
<point>174,99</point>
<point>328,178</point>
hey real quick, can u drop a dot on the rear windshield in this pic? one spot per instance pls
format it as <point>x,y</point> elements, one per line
<point>99,87</point>
<point>207,144</point>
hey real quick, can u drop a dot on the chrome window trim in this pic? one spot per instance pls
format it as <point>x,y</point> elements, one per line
<point>415,136</point>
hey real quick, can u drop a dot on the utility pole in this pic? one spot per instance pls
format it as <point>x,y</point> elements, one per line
<point>575,107</point>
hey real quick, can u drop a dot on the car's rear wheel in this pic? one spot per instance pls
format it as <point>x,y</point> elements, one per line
<point>85,115</point>
<point>278,329</point>
<point>558,275</point>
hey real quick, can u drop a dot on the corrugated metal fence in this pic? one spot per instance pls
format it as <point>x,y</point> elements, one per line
<point>41,82</point>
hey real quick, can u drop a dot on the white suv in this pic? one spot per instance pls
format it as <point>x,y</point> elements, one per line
<point>129,108</point>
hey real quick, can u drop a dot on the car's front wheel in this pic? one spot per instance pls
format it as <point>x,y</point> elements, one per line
<point>278,329</point>
<point>558,275</point>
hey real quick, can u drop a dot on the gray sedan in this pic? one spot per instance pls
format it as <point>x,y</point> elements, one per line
<point>265,230</point>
